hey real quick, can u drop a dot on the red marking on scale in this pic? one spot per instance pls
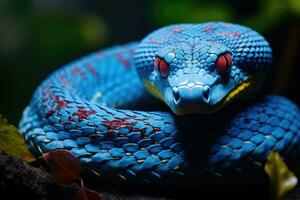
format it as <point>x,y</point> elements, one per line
<point>156,129</point>
<point>153,41</point>
<point>114,124</point>
<point>91,69</point>
<point>119,123</point>
<point>63,80</point>
<point>60,103</point>
<point>76,70</point>
<point>52,95</point>
<point>70,120</point>
<point>83,114</point>
<point>176,30</point>
<point>50,112</point>
<point>207,29</point>
<point>230,34</point>
<point>123,60</point>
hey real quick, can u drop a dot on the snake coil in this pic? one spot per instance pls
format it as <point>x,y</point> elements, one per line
<point>193,68</point>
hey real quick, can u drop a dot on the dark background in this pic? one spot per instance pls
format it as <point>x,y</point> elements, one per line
<point>37,36</point>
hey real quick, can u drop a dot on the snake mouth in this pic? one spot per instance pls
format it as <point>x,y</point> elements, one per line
<point>203,100</point>
<point>205,95</point>
<point>194,109</point>
<point>187,95</point>
<point>191,99</point>
<point>207,106</point>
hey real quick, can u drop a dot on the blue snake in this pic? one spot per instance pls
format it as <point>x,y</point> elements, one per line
<point>104,107</point>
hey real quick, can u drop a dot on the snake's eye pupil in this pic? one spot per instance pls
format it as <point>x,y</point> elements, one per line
<point>161,66</point>
<point>223,63</point>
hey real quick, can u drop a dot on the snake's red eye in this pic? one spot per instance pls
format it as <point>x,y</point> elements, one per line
<point>161,66</point>
<point>223,63</point>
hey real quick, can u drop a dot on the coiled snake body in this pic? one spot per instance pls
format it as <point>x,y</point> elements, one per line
<point>87,107</point>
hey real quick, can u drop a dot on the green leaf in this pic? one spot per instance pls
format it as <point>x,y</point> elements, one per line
<point>294,6</point>
<point>282,180</point>
<point>12,142</point>
<point>190,11</point>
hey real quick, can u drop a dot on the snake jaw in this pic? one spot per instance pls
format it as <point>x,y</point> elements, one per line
<point>237,91</point>
<point>248,85</point>
<point>213,102</point>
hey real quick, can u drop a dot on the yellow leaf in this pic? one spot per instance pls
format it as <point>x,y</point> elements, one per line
<point>282,180</point>
<point>12,142</point>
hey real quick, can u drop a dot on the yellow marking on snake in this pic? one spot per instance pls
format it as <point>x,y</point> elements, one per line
<point>153,90</point>
<point>245,85</point>
<point>238,90</point>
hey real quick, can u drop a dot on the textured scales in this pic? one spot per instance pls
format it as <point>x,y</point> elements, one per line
<point>191,50</point>
<point>78,107</point>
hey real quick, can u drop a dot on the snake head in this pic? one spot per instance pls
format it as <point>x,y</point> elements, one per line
<point>193,71</point>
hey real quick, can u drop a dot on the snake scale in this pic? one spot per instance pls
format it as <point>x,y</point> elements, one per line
<point>88,106</point>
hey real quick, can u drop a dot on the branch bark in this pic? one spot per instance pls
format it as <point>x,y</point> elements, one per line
<point>19,180</point>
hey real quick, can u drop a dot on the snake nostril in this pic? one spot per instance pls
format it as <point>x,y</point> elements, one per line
<point>206,93</point>
<point>176,96</point>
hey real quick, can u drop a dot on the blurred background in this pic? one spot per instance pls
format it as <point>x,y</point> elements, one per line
<point>38,36</point>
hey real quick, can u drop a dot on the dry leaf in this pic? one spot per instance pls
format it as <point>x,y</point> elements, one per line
<point>282,180</point>
<point>65,167</point>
